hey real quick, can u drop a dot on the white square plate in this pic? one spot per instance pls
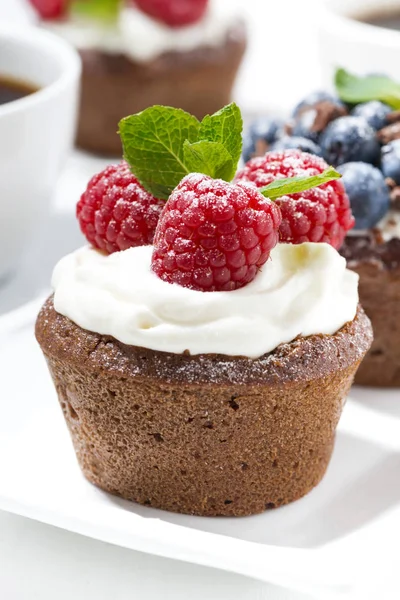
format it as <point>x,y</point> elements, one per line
<point>325,541</point>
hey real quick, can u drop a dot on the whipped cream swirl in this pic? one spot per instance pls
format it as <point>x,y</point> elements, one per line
<point>302,290</point>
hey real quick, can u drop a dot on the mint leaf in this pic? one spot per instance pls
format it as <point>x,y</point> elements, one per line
<point>225,127</point>
<point>153,146</point>
<point>210,158</point>
<point>354,90</point>
<point>294,185</point>
<point>163,144</point>
<point>102,10</point>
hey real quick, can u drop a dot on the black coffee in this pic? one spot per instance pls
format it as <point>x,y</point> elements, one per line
<point>390,20</point>
<point>13,89</point>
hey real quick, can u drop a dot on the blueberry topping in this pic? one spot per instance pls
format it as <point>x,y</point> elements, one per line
<point>374,112</point>
<point>265,130</point>
<point>391,160</point>
<point>349,139</point>
<point>297,143</point>
<point>313,99</point>
<point>367,191</point>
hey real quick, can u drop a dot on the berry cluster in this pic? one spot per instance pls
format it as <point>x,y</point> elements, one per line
<point>212,235</point>
<point>174,13</point>
<point>209,233</point>
<point>362,140</point>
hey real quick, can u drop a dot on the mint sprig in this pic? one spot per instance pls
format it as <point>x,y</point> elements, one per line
<point>225,127</point>
<point>106,11</point>
<point>163,144</point>
<point>354,89</point>
<point>294,185</point>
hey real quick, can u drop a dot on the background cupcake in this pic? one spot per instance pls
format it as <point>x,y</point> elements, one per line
<point>359,133</point>
<point>182,53</point>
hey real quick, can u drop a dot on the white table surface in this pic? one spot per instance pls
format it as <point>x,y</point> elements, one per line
<point>42,562</point>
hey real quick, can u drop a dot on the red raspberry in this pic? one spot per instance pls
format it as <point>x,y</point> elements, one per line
<point>322,214</point>
<point>51,9</point>
<point>214,235</point>
<point>174,13</point>
<point>115,212</point>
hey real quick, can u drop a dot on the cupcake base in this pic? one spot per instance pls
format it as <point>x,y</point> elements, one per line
<point>113,86</point>
<point>378,265</point>
<point>204,435</point>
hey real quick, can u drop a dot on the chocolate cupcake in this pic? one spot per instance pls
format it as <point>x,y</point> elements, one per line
<point>203,433</point>
<point>373,251</point>
<point>205,373</point>
<point>136,59</point>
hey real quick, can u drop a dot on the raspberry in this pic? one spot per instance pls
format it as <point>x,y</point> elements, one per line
<point>115,212</point>
<point>214,235</point>
<point>322,214</point>
<point>175,13</point>
<point>50,9</point>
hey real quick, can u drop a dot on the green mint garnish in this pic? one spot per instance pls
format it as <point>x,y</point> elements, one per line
<point>163,144</point>
<point>225,127</point>
<point>106,11</point>
<point>294,185</point>
<point>354,89</point>
<point>210,158</point>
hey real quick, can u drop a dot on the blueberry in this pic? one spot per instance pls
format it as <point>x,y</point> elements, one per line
<point>315,97</point>
<point>348,139</point>
<point>390,157</point>
<point>265,129</point>
<point>367,191</point>
<point>374,112</point>
<point>297,143</point>
<point>303,126</point>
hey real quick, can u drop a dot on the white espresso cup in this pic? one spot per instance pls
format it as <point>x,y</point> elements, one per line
<point>347,41</point>
<point>36,132</point>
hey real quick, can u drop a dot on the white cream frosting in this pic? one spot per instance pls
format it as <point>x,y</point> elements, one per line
<point>302,290</point>
<point>142,38</point>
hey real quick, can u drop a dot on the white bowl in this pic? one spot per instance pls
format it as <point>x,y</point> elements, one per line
<point>357,46</point>
<point>36,132</point>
